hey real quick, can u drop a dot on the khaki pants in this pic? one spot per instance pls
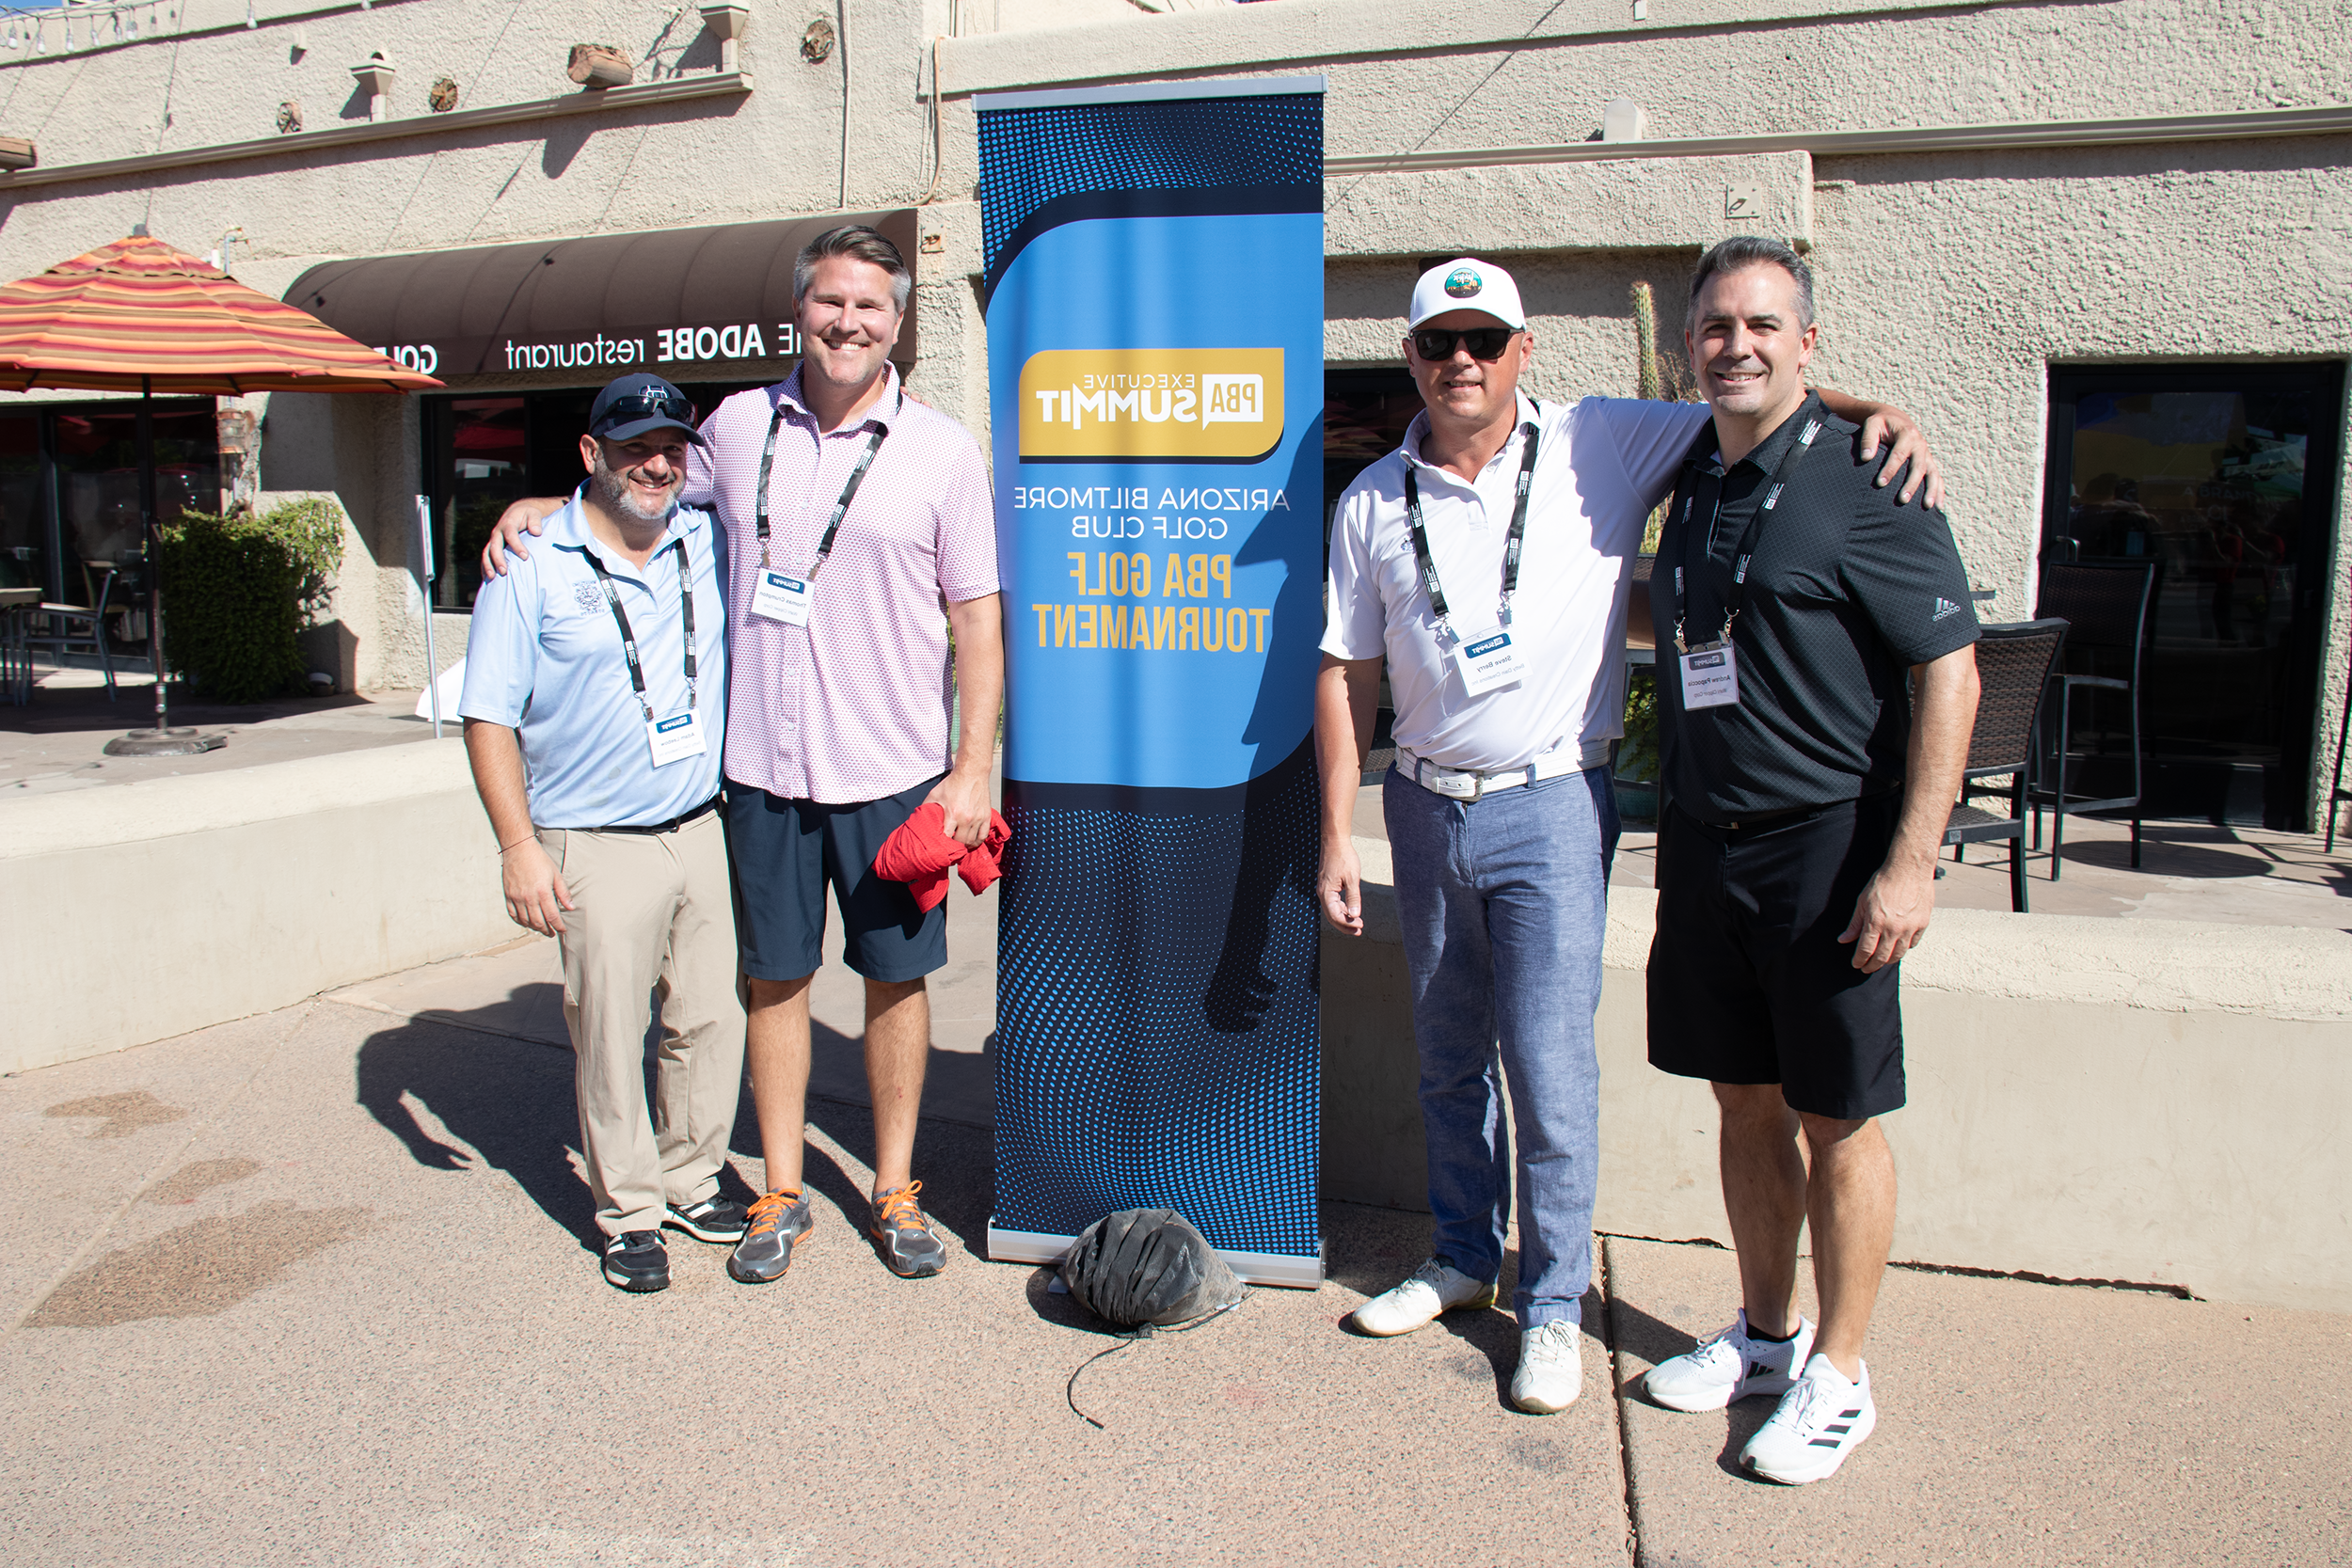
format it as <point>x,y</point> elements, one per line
<point>654,917</point>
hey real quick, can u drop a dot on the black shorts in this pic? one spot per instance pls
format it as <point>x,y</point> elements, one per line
<point>1748,982</point>
<point>783,853</point>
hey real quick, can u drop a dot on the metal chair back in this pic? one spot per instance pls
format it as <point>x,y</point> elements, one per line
<point>2104,604</point>
<point>2108,604</point>
<point>2014,664</point>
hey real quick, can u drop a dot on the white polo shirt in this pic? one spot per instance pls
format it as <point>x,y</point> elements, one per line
<point>1601,467</point>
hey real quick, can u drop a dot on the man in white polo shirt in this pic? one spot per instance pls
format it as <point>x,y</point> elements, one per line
<point>594,701</point>
<point>1487,560</point>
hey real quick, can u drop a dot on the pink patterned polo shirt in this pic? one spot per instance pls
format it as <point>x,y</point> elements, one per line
<point>854,706</point>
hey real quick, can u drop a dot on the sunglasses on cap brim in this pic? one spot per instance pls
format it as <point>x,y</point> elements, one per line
<point>648,405</point>
<point>1484,343</point>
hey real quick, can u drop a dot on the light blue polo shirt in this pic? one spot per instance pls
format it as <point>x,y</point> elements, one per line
<point>544,658</point>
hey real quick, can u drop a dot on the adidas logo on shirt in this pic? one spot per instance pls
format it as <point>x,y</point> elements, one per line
<point>1944,606</point>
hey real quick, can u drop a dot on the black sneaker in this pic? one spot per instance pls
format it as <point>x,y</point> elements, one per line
<point>637,1261</point>
<point>714,1219</point>
<point>910,1247</point>
<point>777,1222</point>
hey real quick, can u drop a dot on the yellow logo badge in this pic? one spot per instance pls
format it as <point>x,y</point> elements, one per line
<point>1179,403</point>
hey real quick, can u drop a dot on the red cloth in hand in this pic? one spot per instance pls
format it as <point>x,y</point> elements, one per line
<point>920,853</point>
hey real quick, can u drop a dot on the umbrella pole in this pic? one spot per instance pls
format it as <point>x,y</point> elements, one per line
<point>162,740</point>
<point>152,539</point>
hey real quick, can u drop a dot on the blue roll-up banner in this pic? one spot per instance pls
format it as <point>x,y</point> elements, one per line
<point>1155,302</point>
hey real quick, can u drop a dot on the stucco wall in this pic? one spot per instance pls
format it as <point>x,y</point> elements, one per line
<point>1949,281</point>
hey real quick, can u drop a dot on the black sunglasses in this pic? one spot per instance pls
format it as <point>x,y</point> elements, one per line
<point>640,406</point>
<point>1434,344</point>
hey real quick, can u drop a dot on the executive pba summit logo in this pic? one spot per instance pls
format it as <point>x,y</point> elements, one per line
<point>1463,283</point>
<point>1197,405</point>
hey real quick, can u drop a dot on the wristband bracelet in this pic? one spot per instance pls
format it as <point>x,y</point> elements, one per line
<point>525,839</point>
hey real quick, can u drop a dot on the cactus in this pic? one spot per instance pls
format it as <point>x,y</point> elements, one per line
<point>1644,342</point>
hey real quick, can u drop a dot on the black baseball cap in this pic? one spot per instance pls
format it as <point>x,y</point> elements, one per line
<point>635,403</point>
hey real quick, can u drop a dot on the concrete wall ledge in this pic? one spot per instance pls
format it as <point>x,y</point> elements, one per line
<point>2146,1101</point>
<point>139,911</point>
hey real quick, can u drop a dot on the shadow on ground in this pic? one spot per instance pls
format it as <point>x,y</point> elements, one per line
<point>1638,1333</point>
<point>510,1102</point>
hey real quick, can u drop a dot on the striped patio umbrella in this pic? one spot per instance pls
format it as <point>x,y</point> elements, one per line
<point>139,316</point>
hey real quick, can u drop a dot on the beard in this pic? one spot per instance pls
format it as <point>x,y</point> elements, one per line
<point>619,497</point>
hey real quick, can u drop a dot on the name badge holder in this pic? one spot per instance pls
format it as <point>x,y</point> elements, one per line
<point>780,595</point>
<point>1710,670</point>
<point>1489,659</point>
<point>672,737</point>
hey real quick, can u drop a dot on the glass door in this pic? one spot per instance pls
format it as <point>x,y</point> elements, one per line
<point>2225,477</point>
<point>25,553</point>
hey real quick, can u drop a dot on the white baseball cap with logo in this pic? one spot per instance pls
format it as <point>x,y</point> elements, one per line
<point>1465,284</point>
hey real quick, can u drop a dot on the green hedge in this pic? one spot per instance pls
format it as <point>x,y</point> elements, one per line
<point>1637,759</point>
<point>237,592</point>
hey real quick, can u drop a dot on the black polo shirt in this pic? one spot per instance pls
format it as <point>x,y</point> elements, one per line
<point>1846,592</point>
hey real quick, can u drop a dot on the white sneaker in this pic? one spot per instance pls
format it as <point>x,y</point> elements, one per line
<point>1820,1420</point>
<point>1436,1287</point>
<point>1730,1366</point>
<point>1552,1368</point>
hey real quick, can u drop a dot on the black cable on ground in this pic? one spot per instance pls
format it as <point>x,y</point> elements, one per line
<point>1142,1331</point>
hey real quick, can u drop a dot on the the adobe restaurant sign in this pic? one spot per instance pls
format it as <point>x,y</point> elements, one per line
<point>670,302</point>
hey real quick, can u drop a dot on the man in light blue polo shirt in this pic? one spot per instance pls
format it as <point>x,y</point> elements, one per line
<point>595,707</point>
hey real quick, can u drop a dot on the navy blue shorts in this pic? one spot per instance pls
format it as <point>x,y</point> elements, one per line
<point>783,853</point>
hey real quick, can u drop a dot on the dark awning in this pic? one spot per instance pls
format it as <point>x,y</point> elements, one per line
<point>700,304</point>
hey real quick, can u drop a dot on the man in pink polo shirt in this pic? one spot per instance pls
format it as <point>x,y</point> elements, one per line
<point>852,515</point>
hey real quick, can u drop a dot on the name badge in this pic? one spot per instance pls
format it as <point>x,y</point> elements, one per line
<point>675,738</point>
<point>1711,675</point>
<point>781,598</point>
<point>1488,660</point>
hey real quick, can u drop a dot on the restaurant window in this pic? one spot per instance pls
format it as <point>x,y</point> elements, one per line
<point>1364,416</point>
<point>97,457</point>
<point>70,489</point>
<point>484,452</point>
<point>2224,477</point>
<point>25,553</point>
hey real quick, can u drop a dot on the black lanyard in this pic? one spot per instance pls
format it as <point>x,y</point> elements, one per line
<point>1738,592</point>
<point>628,639</point>
<point>840,508</point>
<point>1511,544</point>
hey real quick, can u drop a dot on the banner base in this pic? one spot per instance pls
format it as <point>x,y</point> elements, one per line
<point>1255,1268</point>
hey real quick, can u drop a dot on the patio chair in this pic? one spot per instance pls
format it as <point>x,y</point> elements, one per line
<point>2013,665</point>
<point>2105,607</point>
<point>67,628</point>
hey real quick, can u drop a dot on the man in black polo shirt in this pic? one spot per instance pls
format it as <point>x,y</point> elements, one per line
<point>1817,682</point>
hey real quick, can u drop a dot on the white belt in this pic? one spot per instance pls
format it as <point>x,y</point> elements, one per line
<point>1466,784</point>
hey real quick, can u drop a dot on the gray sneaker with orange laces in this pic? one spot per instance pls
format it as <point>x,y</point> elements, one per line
<point>778,1220</point>
<point>910,1247</point>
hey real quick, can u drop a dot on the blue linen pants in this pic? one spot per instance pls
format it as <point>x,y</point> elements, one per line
<point>1503,902</point>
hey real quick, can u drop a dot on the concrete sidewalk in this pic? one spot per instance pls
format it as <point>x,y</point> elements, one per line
<point>58,742</point>
<point>314,1288</point>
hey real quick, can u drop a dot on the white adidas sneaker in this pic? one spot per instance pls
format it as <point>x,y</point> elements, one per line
<point>1436,1287</point>
<point>1729,1366</point>
<point>1821,1420</point>
<point>1551,1368</point>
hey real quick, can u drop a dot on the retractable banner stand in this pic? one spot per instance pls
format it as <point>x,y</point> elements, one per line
<point>1154,300</point>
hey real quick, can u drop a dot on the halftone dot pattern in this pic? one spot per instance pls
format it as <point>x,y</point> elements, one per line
<point>1028,157</point>
<point>1156,1018</point>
